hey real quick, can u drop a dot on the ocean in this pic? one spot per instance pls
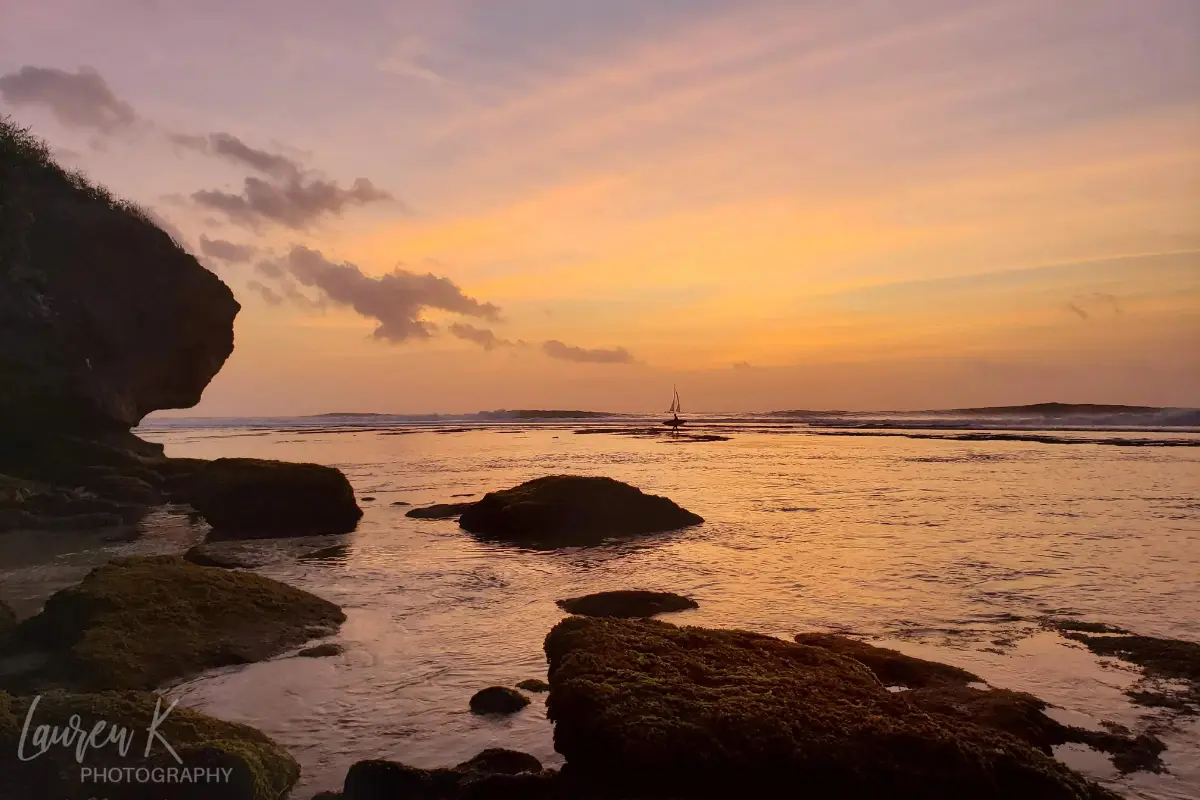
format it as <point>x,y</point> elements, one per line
<point>953,536</point>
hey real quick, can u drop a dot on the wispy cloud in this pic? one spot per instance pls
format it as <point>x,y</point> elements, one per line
<point>295,202</point>
<point>582,355</point>
<point>227,251</point>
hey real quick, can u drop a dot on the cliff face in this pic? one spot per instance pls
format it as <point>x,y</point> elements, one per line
<point>103,317</point>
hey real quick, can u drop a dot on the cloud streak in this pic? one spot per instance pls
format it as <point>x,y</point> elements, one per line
<point>565,352</point>
<point>233,149</point>
<point>80,99</point>
<point>484,337</point>
<point>295,203</point>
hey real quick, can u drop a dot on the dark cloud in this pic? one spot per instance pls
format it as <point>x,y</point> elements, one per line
<point>296,202</point>
<point>271,269</point>
<point>743,365</point>
<point>226,251</point>
<point>483,337</point>
<point>396,300</point>
<point>80,99</point>
<point>231,148</point>
<point>566,352</point>
<point>1078,311</point>
<point>265,292</point>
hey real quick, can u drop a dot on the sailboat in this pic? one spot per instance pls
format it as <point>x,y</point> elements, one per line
<point>675,408</point>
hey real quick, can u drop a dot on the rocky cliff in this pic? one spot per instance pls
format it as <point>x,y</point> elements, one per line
<point>103,317</point>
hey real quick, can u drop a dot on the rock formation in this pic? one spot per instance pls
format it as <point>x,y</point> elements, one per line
<point>103,319</point>
<point>627,604</point>
<point>135,623</point>
<point>654,710</point>
<point>571,510</point>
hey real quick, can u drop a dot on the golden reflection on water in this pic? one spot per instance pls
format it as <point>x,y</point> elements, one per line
<point>947,550</point>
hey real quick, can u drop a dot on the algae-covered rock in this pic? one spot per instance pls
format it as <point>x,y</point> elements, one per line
<point>236,761</point>
<point>247,497</point>
<point>135,623</point>
<point>645,706</point>
<point>627,604</point>
<point>498,700</point>
<point>534,685</point>
<point>569,510</point>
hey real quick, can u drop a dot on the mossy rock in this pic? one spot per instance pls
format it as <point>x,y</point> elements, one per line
<point>534,685</point>
<point>572,510</point>
<point>259,768</point>
<point>627,604</point>
<point>135,623</point>
<point>649,707</point>
<point>248,497</point>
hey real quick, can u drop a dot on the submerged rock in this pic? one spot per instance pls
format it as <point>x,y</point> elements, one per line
<point>495,773</point>
<point>534,685</point>
<point>439,511</point>
<point>649,708</point>
<point>246,497</point>
<point>261,769</point>
<point>567,510</point>
<point>1170,667</point>
<point>322,650</point>
<point>498,700</point>
<point>135,623</point>
<point>627,604</point>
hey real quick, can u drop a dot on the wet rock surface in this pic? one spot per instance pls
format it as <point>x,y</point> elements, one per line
<point>325,650</point>
<point>494,774</point>
<point>534,685</point>
<point>135,623</point>
<point>644,706</point>
<point>572,510</point>
<point>627,604</point>
<point>246,497</point>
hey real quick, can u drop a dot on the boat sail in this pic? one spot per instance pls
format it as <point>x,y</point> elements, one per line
<point>675,410</point>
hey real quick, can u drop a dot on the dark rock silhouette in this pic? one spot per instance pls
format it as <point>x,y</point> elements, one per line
<point>207,555</point>
<point>498,700</point>
<point>627,604</point>
<point>655,710</point>
<point>534,685</point>
<point>495,773</point>
<point>245,497</point>
<point>135,623</point>
<point>566,510</point>
<point>103,317</point>
<point>439,511</point>
<point>8,620</point>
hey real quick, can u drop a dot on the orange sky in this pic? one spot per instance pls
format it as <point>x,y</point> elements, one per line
<point>772,204</point>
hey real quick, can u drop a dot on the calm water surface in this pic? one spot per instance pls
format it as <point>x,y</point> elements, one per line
<point>943,549</point>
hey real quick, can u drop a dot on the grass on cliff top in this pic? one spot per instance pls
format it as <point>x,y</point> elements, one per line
<point>136,623</point>
<point>262,769</point>
<point>25,159</point>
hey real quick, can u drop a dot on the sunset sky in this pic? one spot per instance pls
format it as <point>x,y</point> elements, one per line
<point>454,206</point>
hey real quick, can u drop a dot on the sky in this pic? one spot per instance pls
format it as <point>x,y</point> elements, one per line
<point>827,204</point>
